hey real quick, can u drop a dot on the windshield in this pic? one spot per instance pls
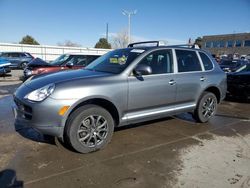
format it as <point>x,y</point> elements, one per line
<point>244,68</point>
<point>115,61</point>
<point>61,60</point>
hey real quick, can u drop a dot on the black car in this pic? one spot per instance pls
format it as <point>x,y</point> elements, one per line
<point>238,83</point>
<point>232,65</point>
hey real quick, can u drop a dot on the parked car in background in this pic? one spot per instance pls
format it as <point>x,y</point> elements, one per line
<point>4,66</point>
<point>122,87</point>
<point>232,65</point>
<point>248,57</point>
<point>63,62</point>
<point>17,59</point>
<point>238,83</point>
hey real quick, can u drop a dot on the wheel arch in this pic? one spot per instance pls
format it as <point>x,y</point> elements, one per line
<point>102,102</point>
<point>215,90</point>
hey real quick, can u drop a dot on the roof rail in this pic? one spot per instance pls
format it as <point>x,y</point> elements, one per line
<point>157,43</point>
<point>161,43</point>
<point>186,45</point>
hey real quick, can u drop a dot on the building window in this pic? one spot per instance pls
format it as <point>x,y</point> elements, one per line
<point>208,44</point>
<point>247,43</point>
<point>230,43</point>
<point>222,44</point>
<point>238,43</point>
<point>215,44</point>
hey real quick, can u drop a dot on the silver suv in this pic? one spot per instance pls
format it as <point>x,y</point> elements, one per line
<point>124,86</point>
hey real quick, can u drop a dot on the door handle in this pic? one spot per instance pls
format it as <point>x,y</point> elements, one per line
<point>202,79</point>
<point>172,82</point>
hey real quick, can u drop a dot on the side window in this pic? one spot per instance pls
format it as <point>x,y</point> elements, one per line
<point>160,61</point>
<point>187,61</point>
<point>80,61</point>
<point>208,65</point>
<point>4,54</point>
<point>14,55</point>
<point>22,55</point>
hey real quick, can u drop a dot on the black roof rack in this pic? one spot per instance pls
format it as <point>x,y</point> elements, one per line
<point>131,45</point>
<point>186,45</point>
<point>160,43</point>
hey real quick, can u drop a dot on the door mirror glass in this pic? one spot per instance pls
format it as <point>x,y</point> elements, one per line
<point>70,64</point>
<point>142,69</point>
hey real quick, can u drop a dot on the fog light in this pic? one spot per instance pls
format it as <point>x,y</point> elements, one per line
<point>62,111</point>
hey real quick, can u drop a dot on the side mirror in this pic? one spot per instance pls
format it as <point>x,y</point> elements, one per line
<point>70,64</point>
<point>142,69</point>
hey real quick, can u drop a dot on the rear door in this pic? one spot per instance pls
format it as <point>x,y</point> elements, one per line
<point>14,58</point>
<point>190,79</point>
<point>154,94</point>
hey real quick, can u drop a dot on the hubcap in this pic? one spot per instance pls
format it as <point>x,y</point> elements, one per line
<point>208,107</point>
<point>92,131</point>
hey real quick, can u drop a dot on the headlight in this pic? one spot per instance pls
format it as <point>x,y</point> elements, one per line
<point>41,94</point>
<point>28,72</point>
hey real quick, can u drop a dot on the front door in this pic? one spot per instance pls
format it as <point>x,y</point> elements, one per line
<point>154,94</point>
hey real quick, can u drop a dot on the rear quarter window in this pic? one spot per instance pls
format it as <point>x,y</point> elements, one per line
<point>208,65</point>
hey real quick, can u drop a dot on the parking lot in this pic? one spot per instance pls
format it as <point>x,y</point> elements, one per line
<point>170,152</point>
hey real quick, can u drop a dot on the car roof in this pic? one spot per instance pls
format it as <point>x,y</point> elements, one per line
<point>80,53</point>
<point>147,48</point>
<point>15,52</point>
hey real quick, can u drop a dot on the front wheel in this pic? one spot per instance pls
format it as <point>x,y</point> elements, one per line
<point>23,65</point>
<point>206,107</point>
<point>89,128</point>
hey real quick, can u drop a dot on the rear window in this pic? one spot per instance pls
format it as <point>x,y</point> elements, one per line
<point>208,65</point>
<point>187,61</point>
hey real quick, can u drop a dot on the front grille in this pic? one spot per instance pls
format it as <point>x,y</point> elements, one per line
<point>24,110</point>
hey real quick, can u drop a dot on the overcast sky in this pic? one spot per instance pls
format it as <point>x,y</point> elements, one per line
<point>84,21</point>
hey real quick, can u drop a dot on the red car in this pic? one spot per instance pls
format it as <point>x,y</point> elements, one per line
<point>63,62</point>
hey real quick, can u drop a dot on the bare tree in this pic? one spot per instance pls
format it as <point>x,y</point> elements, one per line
<point>120,39</point>
<point>68,43</point>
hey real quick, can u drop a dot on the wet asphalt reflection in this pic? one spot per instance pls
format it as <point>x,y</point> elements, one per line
<point>151,154</point>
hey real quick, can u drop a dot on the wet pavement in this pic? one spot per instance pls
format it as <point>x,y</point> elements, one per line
<point>170,152</point>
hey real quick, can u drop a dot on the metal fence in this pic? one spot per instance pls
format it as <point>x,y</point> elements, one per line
<point>49,53</point>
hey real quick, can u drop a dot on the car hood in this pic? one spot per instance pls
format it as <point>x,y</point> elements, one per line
<point>239,73</point>
<point>45,79</point>
<point>38,63</point>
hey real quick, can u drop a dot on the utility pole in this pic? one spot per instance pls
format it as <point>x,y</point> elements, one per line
<point>129,14</point>
<point>107,32</point>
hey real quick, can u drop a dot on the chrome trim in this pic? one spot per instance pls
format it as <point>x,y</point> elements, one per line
<point>156,112</point>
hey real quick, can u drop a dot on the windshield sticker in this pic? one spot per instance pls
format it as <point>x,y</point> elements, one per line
<point>113,60</point>
<point>137,50</point>
<point>121,60</point>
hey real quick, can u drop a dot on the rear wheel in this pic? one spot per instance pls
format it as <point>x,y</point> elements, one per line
<point>89,128</point>
<point>206,107</point>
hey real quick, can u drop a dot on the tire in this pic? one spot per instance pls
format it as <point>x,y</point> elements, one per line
<point>89,128</point>
<point>206,107</point>
<point>23,65</point>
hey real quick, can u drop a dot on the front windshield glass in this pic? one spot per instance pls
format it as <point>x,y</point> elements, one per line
<point>115,61</point>
<point>60,60</point>
<point>245,68</point>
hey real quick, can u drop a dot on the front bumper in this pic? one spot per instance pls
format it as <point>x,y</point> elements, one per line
<point>42,116</point>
